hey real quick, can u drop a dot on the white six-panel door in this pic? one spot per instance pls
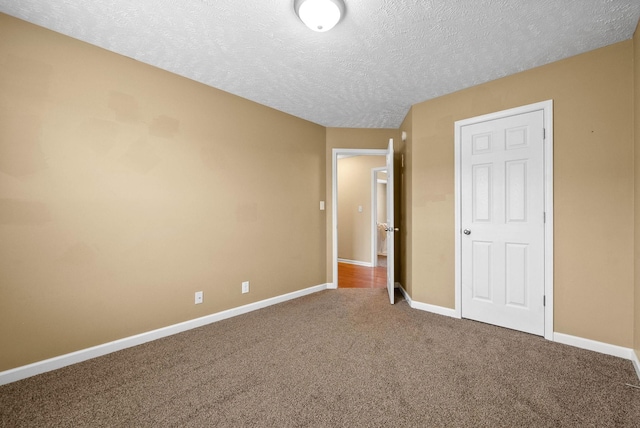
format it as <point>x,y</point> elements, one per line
<point>502,222</point>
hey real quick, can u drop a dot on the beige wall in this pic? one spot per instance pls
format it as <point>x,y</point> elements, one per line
<point>124,189</point>
<point>354,191</point>
<point>636,118</point>
<point>593,185</point>
<point>351,138</point>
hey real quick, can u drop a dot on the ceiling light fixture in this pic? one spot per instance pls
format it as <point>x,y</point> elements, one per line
<point>319,15</point>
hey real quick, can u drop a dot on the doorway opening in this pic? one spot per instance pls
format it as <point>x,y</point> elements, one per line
<point>391,229</point>
<point>388,155</point>
<point>357,209</point>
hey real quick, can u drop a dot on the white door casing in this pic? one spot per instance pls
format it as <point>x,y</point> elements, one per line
<point>504,217</point>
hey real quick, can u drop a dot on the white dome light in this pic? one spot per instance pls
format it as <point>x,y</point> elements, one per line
<point>319,15</point>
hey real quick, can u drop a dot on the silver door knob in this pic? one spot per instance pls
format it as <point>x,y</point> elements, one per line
<point>466,232</point>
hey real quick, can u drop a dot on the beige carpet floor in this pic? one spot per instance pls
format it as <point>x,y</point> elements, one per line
<point>338,358</point>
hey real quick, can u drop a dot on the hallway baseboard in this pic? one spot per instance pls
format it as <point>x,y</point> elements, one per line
<point>355,262</point>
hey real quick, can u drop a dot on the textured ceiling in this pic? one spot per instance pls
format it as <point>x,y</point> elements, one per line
<point>384,56</point>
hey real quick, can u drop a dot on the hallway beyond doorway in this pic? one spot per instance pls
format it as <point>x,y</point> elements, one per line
<point>354,276</point>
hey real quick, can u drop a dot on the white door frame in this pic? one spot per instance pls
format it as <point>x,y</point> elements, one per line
<point>335,153</point>
<point>374,213</point>
<point>547,108</point>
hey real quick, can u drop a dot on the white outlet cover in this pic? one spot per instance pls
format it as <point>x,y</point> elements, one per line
<point>199,297</point>
<point>245,287</point>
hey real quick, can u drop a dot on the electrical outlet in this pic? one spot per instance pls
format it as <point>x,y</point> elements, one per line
<point>245,287</point>
<point>199,297</point>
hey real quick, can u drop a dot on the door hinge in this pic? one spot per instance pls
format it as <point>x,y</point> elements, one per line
<point>544,217</point>
<point>544,133</point>
<point>544,300</point>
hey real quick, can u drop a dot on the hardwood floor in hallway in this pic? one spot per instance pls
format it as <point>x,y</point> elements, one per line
<point>354,276</point>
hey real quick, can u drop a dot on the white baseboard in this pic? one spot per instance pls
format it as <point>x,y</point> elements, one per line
<point>440,310</point>
<point>636,363</point>
<point>405,294</point>
<point>601,347</point>
<point>44,366</point>
<point>355,262</point>
<point>592,345</point>
<point>50,364</point>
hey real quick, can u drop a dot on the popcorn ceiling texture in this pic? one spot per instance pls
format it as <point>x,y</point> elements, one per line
<point>384,56</point>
